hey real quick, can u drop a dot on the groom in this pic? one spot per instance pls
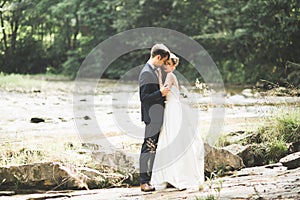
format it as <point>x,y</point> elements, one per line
<point>152,97</point>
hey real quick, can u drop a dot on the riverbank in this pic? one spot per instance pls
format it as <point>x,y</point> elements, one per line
<point>45,117</point>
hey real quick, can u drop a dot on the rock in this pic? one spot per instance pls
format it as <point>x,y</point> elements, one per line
<point>7,193</point>
<point>116,159</point>
<point>36,120</point>
<point>39,176</point>
<point>250,154</point>
<point>247,93</point>
<point>54,175</point>
<point>248,183</point>
<point>36,91</point>
<point>235,137</point>
<point>215,159</point>
<point>294,147</point>
<point>218,158</point>
<point>291,161</point>
<point>126,164</point>
<point>92,146</point>
<point>87,118</point>
<point>62,119</point>
<point>96,179</point>
<point>274,165</point>
<point>254,138</point>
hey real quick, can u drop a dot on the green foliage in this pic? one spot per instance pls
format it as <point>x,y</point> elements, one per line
<point>28,57</point>
<point>212,184</point>
<point>15,81</point>
<point>248,40</point>
<point>273,138</point>
<point>271,141</point>
<point>282,127</point>
<point>276,150</point>
<point>72,64</point>
<point>233,72</point>
<point>208,197</point>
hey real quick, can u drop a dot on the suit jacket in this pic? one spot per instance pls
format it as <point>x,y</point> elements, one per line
<point>152,101</point>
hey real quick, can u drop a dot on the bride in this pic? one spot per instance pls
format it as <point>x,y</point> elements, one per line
<point>179,157</point>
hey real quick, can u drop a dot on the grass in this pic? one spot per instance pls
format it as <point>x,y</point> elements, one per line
<point>47,150</point>
<point>208,197</point>
<point>15,81</point>
<point>280,131</point>
<point>26,82</point>
<point>281,127</point>
<point>216,185</point>
<point>272,138</point>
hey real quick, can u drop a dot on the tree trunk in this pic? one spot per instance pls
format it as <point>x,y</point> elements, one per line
<point>2,27</point>
<point>76,31</point>
<point>14,27</point>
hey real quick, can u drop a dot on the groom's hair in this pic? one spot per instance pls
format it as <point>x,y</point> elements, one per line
<point>160,49</point>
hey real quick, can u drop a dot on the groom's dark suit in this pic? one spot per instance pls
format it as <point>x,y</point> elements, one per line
<point>152,108</point>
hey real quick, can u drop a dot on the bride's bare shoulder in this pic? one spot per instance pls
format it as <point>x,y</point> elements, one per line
<point>171,75</point>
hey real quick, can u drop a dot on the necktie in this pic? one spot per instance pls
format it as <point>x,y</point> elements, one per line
<point>159,77</point>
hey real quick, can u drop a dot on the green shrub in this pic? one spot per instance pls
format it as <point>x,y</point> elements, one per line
<point>274,137</point>
<point>276,150</point>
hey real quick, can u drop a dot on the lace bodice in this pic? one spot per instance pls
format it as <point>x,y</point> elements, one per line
<point>173,94</point>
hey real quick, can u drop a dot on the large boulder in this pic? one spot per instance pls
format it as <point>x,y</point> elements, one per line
<point>38,175</point>
<point>294,146</point>
<point>291,161</point>
<point>218,158</point>
<point>54,175</point>
<point>115,159</point>
<point>127,164</point>
<point>250,154</point>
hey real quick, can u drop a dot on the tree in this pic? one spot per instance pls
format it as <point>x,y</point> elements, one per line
<point>249,40</point>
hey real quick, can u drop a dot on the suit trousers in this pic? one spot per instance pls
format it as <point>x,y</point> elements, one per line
<point>148,151</point>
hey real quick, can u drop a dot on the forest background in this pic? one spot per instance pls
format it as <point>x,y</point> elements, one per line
<point>249,40</point>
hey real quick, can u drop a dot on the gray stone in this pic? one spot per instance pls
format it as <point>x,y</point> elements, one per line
<point>294,146</point>
<point>250,155</point>
<point>248,183</point>
<point>218,158</point>
<point>116,159</point>
<point>127,164</point>
<point>247,93</point>
<point>37,120</point>
<point>54,175</point>
<point>39,175</point>
<point>291,161</point>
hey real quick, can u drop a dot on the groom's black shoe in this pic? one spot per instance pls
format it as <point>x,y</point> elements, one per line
<point>146,187</point>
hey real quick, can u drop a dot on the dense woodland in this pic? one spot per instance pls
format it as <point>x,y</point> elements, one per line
<point>249,40</point>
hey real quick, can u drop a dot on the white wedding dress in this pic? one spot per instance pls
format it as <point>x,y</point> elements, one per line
<point>179,158</point>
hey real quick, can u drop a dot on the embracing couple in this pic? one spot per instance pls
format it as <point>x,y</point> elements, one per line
<point>172,152</point>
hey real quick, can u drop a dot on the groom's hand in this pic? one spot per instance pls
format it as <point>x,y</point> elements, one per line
<point>164,90</point>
